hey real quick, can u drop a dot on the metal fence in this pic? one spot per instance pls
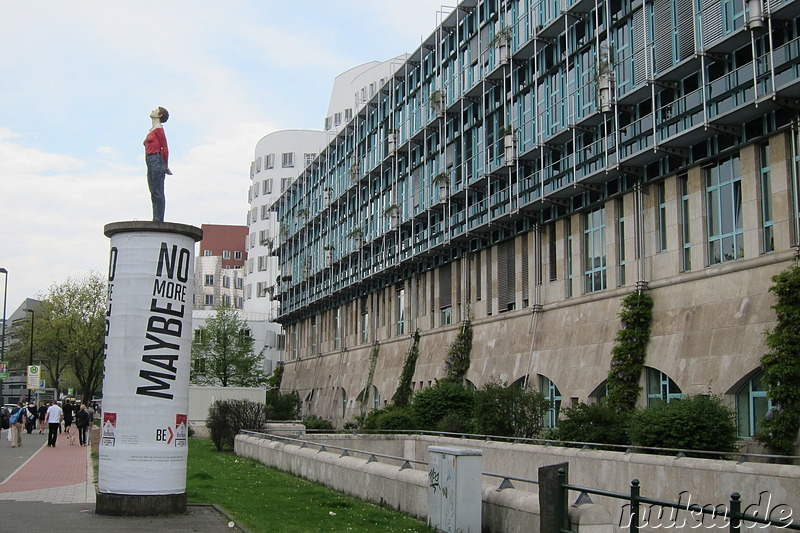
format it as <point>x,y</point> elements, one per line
<point>731,513</point>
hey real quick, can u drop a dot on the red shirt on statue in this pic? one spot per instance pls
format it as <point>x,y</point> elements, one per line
<point>156,143</point>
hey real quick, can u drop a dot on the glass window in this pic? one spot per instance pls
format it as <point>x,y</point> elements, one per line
<point>267,186</point>
<point>287,159</point>
<point>226,254</point>
<point>752,406</point>
<point>270,162</point>
<point>208,280</point>
<point>337,324</point>
<point>446,316</point>
<point>364,320</point>
<point>553,395</point>
<point>594,240</point>
<point>226,282</point>
<point>661,198</point>
<point>686,260</point>
<point>660,387</point>
<point>621,240</point>
<point>207,253</point>
<point>237,254</point>
<point>209,299</point>
<point>724,211</point>
<point>767,222</point>
<point>400,311</point>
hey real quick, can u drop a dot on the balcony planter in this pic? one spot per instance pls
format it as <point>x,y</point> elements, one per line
<point>393,212</point>
<point>604,78</point>
<point>509,145</point>
<point>442,180</point>
<point>502,41</point>
<point>437,102</point>
<point>355,169</point>
<point>358,237</point>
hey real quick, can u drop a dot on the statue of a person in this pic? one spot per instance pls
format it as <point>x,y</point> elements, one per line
<point>157,159</point>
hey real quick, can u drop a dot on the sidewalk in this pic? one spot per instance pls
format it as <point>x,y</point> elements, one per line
<point>52,489</point>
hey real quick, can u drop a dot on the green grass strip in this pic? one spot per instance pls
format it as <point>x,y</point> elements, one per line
<point>268,500</point>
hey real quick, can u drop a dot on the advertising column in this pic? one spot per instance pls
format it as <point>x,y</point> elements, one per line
<point>143,445</point>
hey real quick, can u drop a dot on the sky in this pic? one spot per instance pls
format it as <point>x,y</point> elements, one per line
<point>78,81</point>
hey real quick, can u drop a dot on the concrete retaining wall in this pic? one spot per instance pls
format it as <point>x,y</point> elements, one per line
<point>510,510</point>
<point>767,488</point>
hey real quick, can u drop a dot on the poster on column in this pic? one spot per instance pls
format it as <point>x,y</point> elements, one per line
<point>148,345</point>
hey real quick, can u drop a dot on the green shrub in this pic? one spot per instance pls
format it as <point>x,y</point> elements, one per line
<point>282,406</point>
<point>454,423</point>
<point>227,417</point>
<point>509,411</point>
<point>701,422</point>
<point>317,423</point>
<point>390,418</point>
<point>431,405</point>
<point>781,366</point>
<point>595,423</point>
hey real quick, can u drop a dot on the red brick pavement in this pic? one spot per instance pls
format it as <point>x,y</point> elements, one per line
<point>48,468</point>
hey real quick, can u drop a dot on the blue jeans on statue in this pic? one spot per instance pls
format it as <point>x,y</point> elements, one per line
<point>156,170</point>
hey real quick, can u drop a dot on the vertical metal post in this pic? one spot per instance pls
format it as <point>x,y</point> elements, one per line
<point>635,506</point>
<point>561,498</point>
<point>735,513</point>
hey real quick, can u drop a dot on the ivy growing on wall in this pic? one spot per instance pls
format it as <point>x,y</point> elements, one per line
<point>781,365</point>
<point>402,395</point>
<point>457,362</point>
<point>629,351</point>
<point>373,360</point>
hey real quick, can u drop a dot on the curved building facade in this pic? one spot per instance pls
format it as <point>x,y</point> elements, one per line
<point>527,168</point>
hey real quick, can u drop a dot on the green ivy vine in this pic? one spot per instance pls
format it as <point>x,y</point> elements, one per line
<point>457,361</point>
<point>781,365</point>
<point>373,360</point>
<point>629,351</point>
<point>402,395</point>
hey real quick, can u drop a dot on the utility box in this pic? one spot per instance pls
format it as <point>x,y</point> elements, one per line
<point>454,489</point>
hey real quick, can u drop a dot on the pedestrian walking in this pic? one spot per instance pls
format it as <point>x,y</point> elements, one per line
<point>30,423</point>
<point>54,417</point>
<point>17,424</point>
<point>82,423</point>
<point>42,417</point>
<point>68,414</point>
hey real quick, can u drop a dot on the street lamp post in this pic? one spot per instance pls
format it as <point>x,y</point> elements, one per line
<point>30,359</point>
<point>3,342</point>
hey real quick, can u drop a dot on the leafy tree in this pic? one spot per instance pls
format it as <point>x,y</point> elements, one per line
<point>701,422</point>
<point>781,366</point>
<point>509,410</point>
<point>282,406</point>
<point>69,332</point>
<point>222,353</point>
<point>429,406</point>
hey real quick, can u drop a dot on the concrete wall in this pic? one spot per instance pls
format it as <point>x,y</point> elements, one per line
<point>406,490</point>
<point>201,398</point>
<point>768,488</point>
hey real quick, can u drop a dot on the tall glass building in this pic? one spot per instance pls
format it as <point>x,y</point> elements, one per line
<point>528,166</point>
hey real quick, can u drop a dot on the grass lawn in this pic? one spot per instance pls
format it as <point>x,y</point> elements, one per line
<point>268,500</point>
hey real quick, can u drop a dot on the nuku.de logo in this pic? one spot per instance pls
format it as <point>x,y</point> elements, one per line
<point>708,516</point>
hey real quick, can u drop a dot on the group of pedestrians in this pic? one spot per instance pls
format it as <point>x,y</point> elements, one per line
<point>50,417</point>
